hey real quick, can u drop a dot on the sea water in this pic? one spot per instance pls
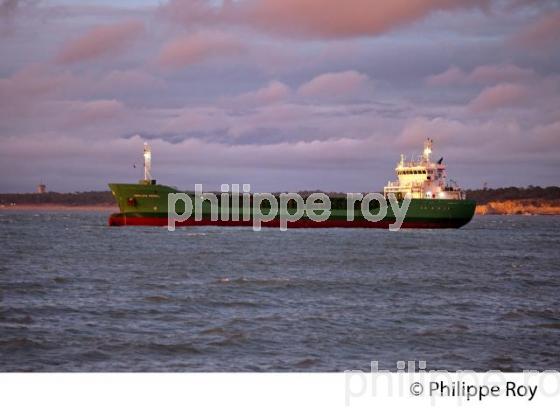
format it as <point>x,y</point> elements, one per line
<point>78,295</point>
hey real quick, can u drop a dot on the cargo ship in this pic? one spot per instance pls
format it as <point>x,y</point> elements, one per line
<point>433,202</point>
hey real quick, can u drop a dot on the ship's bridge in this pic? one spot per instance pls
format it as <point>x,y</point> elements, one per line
<point>422,178</point>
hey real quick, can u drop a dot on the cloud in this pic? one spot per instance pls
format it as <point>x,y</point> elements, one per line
<point>8,8</point>
<point>454,137</point>
<point>21,92</point>
<point>93,112</point>
<point>337,164</point>
<point>542,33</point>
<point>197,47</point>
<point>275,83</point>
<point>335,85</point>
<point>233,122</point>
<point>33,80</point>
<point>546,136</point>
<point>453,75</point>
<point>129,80</point>
<point>499,96</point>
<point>282,166</point>
<point>488,74</point>
<point>192,12</point>
<point>484,141</point>
<point>275,91</point>
<point>315,18</point>
<point>493,149</point>
<point>100,41</point>
<point>202,120</point>
<point>483,74</point>
<point>34,84</point>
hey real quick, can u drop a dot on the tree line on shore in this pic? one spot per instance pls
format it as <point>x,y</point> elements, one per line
<point>483,196</point>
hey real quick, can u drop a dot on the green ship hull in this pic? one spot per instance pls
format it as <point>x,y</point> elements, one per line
<point>145,204</point>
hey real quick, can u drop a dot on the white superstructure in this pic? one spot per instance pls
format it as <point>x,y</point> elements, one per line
<point>422,178</point>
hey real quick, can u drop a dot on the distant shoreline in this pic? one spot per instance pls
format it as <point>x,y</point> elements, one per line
<point>492,208</point>
<point>520,207</point>
<point>500,201</point>
<point>58,207</point>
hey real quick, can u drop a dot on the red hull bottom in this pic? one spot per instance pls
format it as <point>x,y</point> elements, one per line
<point>124,220</point>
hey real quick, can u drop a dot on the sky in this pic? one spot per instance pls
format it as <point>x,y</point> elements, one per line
<point>285,95</point>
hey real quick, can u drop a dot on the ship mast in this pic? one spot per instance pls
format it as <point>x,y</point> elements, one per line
<point>147,162</point>
<point>427,149</point>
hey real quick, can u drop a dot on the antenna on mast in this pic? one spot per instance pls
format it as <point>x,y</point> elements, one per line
<point>147,162</point>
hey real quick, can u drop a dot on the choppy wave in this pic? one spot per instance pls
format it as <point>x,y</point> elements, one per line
<point>76,295</point>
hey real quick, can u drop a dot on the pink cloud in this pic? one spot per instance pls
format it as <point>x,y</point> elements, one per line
<point>33,80</point>
<point>484,74</point>
<point>487,74</point>
<point>453,75</point>
<point>335,18</point>
<point>441,129</point>
<point>198,47</point>
<point>92,112</point>
<point>32,84</point>
<point>199,119</point>
<point>543,32</point>
<point>100,41</point>
<point>335,84</point>
<point>499,96</point>
<point>273,92</point>
<point>315,18</point>
<point>462,137</point>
